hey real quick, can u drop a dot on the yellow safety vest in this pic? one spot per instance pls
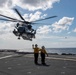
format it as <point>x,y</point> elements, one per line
<point>36,50</point>
<point>43,51</point>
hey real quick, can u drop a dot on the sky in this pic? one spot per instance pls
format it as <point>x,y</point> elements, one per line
<point>59,32</point>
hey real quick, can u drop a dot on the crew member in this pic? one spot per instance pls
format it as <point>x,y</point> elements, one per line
<point>43,52</point>
<point>36,53</point>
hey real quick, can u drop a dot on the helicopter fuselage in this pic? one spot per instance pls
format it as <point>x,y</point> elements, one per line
<point>24,31</point>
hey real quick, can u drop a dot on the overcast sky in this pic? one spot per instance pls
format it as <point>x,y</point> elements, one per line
<point>60,33</point>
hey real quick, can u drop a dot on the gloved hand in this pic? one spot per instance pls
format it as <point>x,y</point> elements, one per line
<point>32,45</point>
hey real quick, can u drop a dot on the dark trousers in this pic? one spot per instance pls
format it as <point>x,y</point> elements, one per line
<point>36,58</point>
<point>42,58</point>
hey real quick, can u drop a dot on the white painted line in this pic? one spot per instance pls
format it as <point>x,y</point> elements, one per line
<point>7,56</point>
<point>68,59</point>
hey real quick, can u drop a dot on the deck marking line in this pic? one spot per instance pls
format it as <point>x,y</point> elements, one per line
<point>7,56</point>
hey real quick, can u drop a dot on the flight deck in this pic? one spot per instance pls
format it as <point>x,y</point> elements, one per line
<point>12,63</point>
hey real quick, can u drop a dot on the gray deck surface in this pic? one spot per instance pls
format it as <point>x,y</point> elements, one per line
<point>14,64</point>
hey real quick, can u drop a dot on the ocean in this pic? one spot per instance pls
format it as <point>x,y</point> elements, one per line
<point>61,50</point>
<point>55,50</point>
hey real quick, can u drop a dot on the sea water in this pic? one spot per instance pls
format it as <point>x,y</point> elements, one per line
<point>55,50</point>
<point>61,50</point>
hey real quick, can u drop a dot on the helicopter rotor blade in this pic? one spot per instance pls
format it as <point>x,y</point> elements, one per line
<point>10,19</point>
<point>45,18</point>
<point>7,17</point>
<point>45,24</point>
<point>41,23</point>
<point>27,22</point>
<point>19,14</point>
<point>4,19</point>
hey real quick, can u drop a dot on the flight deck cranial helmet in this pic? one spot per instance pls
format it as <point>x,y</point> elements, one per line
<point>43,47</point>
<point>36,45</point>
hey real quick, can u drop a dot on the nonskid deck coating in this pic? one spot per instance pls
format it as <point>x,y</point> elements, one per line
<point>24,65</point>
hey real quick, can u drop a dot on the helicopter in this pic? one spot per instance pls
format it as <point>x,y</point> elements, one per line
<point>23,28</point>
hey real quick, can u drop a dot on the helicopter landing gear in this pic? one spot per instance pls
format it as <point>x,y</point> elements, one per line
<point>29,39</point>
<point>35,32</point>
<point>15,32</point>
<point>20,34</point>
<point>19,38</point>
<point>34,37</point>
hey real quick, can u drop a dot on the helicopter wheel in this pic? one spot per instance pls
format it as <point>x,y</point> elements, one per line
<point>30,39</point>
<point>19,38</point>
<point>34,37</point>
